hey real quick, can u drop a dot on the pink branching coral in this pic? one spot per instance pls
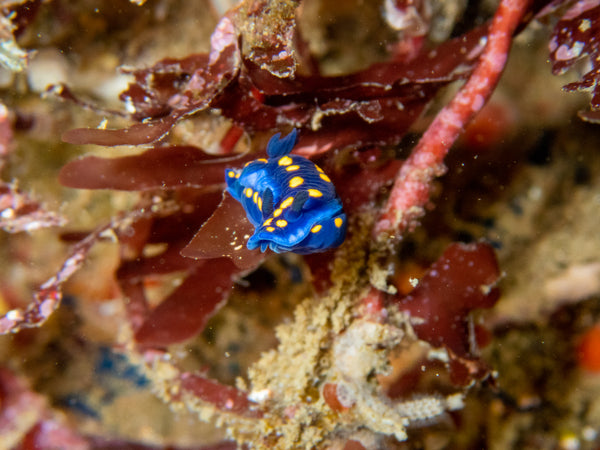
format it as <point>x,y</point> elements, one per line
<point>413,183</point>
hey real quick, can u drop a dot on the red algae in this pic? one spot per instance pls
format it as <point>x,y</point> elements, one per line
<point>462,279</point>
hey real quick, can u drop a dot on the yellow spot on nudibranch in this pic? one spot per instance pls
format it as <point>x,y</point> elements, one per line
<point>237,175</point>
<point>315,193</point>
<point>325,177</point>
<point>585,25</point>
<point>231,174</point>
<point>319,169</point>
<point>248,192</point>
<point>316,229</point>
<point>260,203</point>
<point>262,160</point>
<point>277,212</point>
<point>255,197</point>
<point>287,202</point>
<point>281,223</point>
<point>292,168</point>
<point>338,221</point>
<point>270,229</point>
<point>268,221</point>
<point>296,181</point>
<point>285,161</point>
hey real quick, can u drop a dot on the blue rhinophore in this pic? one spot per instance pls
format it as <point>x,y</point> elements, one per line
<point>290,201</point>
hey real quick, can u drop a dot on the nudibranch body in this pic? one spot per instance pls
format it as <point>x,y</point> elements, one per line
<point>290,201</point>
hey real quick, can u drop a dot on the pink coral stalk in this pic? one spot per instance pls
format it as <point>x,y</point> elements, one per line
<point>411,189</point>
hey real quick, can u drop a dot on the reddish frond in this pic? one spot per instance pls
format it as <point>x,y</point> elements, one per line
<point>451,60</point>
<point>156,87</point>
<point>184,313</point>
<point>136,134</point>
<point>373,106</point>
<point>158,168</point>
<point>463,279</point>
<point>377,104</point>
<point>225,234</point>
<point>362,182</point>
<point>223,397</point>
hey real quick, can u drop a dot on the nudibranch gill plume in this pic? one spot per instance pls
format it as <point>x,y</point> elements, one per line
<point>290,201</point>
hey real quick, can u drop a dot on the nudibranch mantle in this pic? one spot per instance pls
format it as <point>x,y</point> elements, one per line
<point>290,201</point>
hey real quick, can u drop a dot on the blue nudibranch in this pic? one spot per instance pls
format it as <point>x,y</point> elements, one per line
<point>290,201</point>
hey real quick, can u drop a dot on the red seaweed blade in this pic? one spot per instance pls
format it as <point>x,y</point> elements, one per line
<point>461,280</point>
<point>158,168</point>
<point>186,310</point>
<point>226,398</point>
<point>225,234</point>
<point>204,284</point>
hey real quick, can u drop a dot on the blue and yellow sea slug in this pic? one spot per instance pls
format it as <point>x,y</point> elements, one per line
<point>290,201</point>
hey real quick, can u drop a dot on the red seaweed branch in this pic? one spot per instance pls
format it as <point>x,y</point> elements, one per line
<point>411,189</point>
